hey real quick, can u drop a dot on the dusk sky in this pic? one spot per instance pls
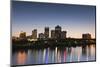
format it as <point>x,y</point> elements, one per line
<point>75,19</point>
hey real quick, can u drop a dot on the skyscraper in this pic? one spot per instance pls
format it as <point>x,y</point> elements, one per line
<point>63,35</point>
<point>46,33</point>
<point>22,35</point>
<point>41,36</point>
<point>34,34</point>
<point>52,34</point>
<point>57,32</point>
<point>86,36</point>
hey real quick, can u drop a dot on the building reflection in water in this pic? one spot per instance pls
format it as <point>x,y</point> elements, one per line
<point>44,53</point>
<point>85,53</point>
<point>58,56</point>
<point>46,56</point>
<point>68,49</point>
<point>65,55</point>
<point>91,52</point>
<point>54,55</point>
<point>71,55</point>
<point>21,57</point>
<point>79,52</point>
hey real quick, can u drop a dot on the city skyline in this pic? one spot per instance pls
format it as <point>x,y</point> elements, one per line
<point>53,34</point>
<point>74,19</point>
<point>47,32</point>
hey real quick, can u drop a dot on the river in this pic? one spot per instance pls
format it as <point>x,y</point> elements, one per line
<point>54,55</point>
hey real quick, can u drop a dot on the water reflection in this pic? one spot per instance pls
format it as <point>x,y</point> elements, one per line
<point>54,55</point>
<point>21,57</point>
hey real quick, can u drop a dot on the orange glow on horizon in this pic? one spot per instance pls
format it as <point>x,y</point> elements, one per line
<point>72,35</point>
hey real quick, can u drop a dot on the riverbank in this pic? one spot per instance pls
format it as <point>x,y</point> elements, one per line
<point>52,43</point>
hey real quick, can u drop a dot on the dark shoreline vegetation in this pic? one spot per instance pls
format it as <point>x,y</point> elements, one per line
<point>52,43</point>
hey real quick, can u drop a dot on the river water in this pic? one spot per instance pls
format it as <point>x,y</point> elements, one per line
<point>54,55</point>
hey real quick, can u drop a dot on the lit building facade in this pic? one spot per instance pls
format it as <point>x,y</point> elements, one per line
<point>86,36</point>
<point>53,34</point>
<point>41,36</point>
<point>46,33</point>
<point>22,35</point>
<point>34,34</point>
<point>63,35</point>
<point>57,32</point>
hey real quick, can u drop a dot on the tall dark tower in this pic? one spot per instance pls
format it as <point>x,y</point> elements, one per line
<point>34,34</point>
<point>53,34</point>
<point>57,32</point>
<point>46,33</point>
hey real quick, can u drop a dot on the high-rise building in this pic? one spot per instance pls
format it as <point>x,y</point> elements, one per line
<point>53,34</point>
<point>34,34</point>
<point>57,32</point>
<point>86,36</point>
<point>22,35</point>
<point>46,33</point>
<point>41,36</point>
<point>63,35</point>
